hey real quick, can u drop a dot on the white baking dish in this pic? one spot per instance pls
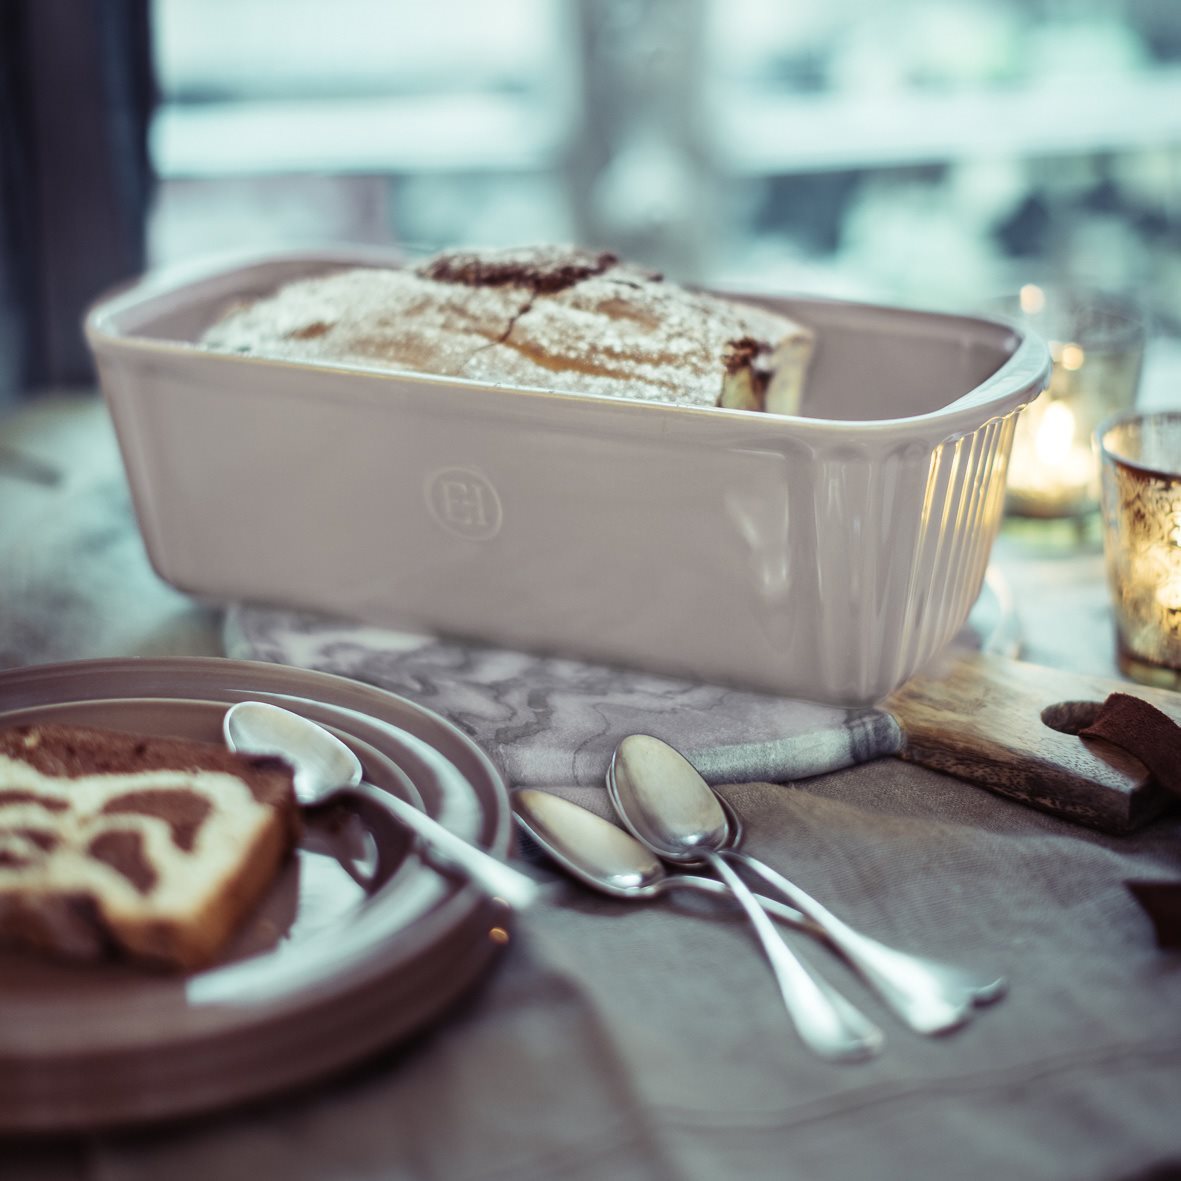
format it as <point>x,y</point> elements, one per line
<point>824,557</point>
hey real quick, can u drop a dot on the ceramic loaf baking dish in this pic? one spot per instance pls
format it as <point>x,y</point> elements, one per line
<point>826,557</point>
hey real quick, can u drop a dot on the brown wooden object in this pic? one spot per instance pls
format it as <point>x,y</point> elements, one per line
<point>1013,728</point>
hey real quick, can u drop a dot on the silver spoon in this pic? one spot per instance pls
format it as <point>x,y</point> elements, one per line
<point>326,769</point>
<point>929,996</point>
<point>666,809</point>
<point>609,859</point>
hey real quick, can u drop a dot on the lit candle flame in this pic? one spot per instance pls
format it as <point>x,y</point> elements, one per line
<point>1055,434</point>
<point>1032,298</point>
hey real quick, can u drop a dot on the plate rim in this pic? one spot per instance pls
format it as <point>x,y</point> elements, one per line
<point>453,927</point>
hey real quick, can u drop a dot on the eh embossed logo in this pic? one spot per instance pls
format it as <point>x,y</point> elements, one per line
<point>464,503</point>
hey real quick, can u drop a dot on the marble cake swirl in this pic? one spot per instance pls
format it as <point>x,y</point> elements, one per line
<point>118,843</point>
<point>548,318</point>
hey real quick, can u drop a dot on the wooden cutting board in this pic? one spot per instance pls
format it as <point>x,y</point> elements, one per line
<point>1012,727</point>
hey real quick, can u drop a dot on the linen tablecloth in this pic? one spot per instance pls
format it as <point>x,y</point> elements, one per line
<point>620,1041</point>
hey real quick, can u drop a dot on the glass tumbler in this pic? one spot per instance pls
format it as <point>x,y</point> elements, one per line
<point>1096,342</point>
<point>1140,458</point>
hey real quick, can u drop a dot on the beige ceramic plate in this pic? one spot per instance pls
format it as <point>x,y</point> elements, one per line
<point>326,973</point>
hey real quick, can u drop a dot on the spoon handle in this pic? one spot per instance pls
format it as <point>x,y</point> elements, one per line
<point>828,1024</point>
<point>498,879</point>
<point>928,996</point>
<point>775,907</point>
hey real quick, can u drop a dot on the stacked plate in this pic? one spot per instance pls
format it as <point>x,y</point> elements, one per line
<point>358,945</point>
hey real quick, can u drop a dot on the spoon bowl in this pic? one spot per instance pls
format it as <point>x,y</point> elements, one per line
<point>326,770</point>
<point>591,849</point>
<point>608,858</point>
<point>658,797</point>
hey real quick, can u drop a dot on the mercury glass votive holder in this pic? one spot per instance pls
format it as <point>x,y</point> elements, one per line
<point>1096,343</point>
<point>1140,457</point>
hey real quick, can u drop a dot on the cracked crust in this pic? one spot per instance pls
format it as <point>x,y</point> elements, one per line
<point>546,317</point>
<point>543,270</point>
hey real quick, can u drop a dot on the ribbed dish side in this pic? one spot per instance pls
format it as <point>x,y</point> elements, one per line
<point>991,497</point>
<point>864,514</point>
<point>907,578</point>
<point>962,513</point>
<point>897,497</point>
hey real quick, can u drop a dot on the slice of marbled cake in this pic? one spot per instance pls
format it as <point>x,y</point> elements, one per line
<point>151,848</point>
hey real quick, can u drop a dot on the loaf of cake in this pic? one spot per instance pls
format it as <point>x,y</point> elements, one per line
<point>148,848</point>
<point>545,318</point>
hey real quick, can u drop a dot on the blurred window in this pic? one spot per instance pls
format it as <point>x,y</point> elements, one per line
<point>933,149</point>
<point>927,151</point>
<point>286,121</point>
